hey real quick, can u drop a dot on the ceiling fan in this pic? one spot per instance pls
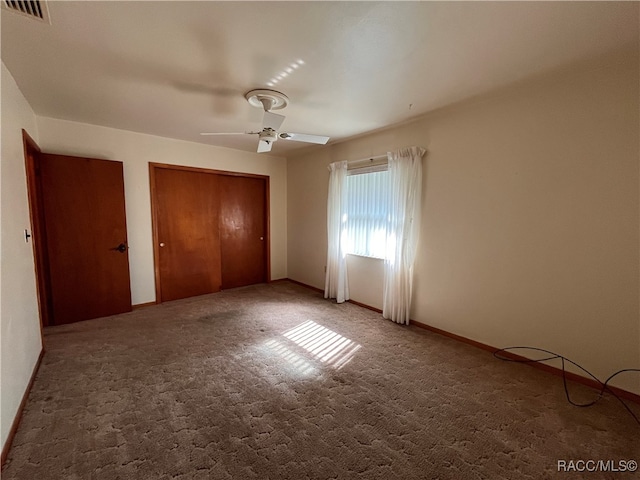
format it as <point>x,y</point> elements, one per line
<point>271,100</point>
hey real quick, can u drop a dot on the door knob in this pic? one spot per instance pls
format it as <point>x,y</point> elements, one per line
<point>162,244</point>
<point>120,248</point>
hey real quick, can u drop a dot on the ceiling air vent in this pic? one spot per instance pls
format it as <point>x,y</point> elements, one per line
<point>35,9</point>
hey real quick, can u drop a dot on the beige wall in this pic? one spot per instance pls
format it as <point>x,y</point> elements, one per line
<point>19,321</point>
<point>530,226</point>
<point>136,150</point>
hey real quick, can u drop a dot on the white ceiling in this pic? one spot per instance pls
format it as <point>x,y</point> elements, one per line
<point>175,69</point>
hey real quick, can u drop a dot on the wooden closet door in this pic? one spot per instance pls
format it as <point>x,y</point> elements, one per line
<point>243,230</point>
<point>186,205</point>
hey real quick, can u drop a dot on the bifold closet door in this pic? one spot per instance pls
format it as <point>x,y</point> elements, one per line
<point>243,230</point>
<point>187,205</point>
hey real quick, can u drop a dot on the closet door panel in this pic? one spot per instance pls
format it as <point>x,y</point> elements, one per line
<point>187,246</point>
<point>243,230</point>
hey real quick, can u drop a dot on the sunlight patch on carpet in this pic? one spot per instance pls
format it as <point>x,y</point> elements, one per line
<point>324,344</point>
<point>295,360</point>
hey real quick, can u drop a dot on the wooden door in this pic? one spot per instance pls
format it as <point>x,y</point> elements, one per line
<point>243,230</point>
<point>86,237</point>
<point>38,231</point>
<point>186,205</point>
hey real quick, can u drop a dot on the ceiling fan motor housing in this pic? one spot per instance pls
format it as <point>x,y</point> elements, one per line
<point>269,135</point>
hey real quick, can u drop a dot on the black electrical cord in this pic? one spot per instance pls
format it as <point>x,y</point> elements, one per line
<point>553,356</point>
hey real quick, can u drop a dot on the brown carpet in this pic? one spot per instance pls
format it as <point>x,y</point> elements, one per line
<point>273,382</point>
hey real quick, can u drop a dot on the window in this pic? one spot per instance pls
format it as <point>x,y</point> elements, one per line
<point>367,211</point>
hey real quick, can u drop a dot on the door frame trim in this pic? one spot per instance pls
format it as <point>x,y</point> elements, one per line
<point>154,213</point>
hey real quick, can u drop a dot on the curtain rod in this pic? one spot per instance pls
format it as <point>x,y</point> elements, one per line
<point>370,159</point>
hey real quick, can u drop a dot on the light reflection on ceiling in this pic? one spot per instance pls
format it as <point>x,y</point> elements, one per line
<point>285,73</point>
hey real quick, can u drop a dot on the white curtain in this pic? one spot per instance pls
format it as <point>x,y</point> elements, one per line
<point>336,284</point>
<point>405,177</point>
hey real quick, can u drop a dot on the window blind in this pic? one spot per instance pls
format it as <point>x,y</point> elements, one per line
<point>367,212</point>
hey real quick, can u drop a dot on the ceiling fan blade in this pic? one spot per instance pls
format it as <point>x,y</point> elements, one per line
<point>229,133</point>
<point>272,120</point>
<point>303,137</point>
<point>264,146</point>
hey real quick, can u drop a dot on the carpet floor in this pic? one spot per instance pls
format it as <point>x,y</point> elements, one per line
<point>273,382</point>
